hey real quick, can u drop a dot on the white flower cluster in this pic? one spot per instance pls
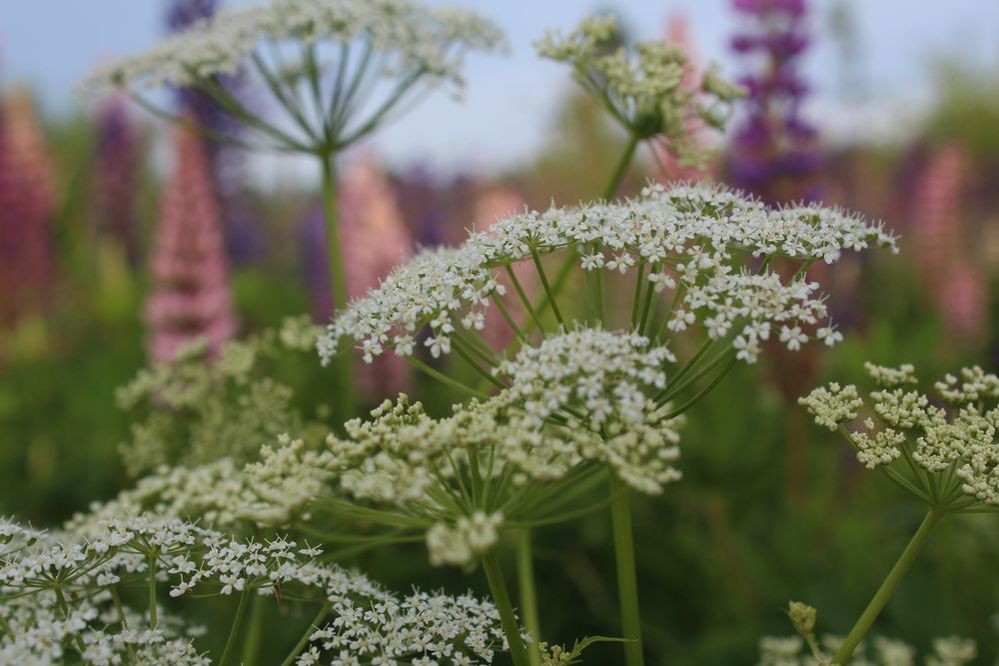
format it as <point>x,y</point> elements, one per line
<point>647,88</point>
<point>600,380</point>
<point>961,440</point>
<point>694,238</point>
<point>790,651</point>
<point>423,628</point>
<point>366,622</point>
<point>42,634</point>
<point>410,37</point>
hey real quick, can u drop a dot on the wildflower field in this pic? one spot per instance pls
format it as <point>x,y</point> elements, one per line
<point>700,380</point>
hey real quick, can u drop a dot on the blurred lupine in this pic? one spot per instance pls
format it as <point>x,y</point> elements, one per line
<point>242,238</point>
<point>677,33</point>
<point>774,152</point>
<point>27,204</point>
<point>190,296</point>
<point>118,158</point>
<point>956,285</point>
<point>375,239</point>
<point>491,206</point>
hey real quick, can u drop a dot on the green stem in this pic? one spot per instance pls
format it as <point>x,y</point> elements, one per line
<point>234,629</point>
<point>887,588</point>
<point>440,376</point>
<point>501,597</point>
<point>290,659</point>
<point>153,620</point>
<point>251,644</point>
<point>528,595</point>
<point>627,580</point>
<point>6,628</point>
<point>343,391</point>
<point>65,614</point>
<point>622,166</point>
<point>120,608</point>
<point>548,288</point>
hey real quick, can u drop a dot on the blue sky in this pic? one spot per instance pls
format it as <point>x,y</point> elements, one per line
<point>50,44</point>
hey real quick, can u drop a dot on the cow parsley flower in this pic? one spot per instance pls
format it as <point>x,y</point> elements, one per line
<point>396,41</point>
<point>951,455</point>
<point>696,239</point>
<point>644,88</point>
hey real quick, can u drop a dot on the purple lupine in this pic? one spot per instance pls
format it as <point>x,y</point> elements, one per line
<point>242,237</point>
<point>27,204</point>
<point>117,160</point>
<point>774,152</point>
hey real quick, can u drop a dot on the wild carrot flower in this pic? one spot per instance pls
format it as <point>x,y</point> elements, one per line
<point>191,297</point>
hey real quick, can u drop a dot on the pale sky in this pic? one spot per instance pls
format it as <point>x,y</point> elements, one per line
<point>50,44</point>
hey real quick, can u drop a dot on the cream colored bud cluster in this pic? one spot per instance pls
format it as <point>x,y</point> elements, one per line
<point>882,651</point>
<point>196,410</point>
<point>694,238</point>
<point>407,36</point>
<point>647,88</point>
<point>960,440</point>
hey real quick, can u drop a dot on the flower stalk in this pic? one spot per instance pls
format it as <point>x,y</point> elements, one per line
<point>627,579</point>
<point>888,586</point>
<point>501,597</point>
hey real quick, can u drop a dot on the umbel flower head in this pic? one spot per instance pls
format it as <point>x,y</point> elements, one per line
<point>384,54</point>
<point>948,456</point>
<point>699,241</point>
<point>362,621</point>
<point>191,298</point>
<point>578,404</point>
<point>646,89</point>
<point>881,651</point>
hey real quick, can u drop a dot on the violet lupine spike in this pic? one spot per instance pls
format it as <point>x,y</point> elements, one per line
<point>952,279</point>
<point>191,297</point>
<point>27,205</point>
<point>774,151</point>
<point>117,162</point>
<point>375,239</point>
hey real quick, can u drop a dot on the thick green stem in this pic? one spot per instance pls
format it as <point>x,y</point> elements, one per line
<point>887,588</point>
<point>251,643</point>
<point>501,597</point>
<point>622,166</point>
<point>528,595</point>
<point>237,622</point>
<point>627,580</point>
<point>303,641</point>
<point>343,391</point>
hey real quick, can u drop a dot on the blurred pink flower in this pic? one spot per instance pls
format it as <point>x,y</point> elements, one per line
<point>491,205</point>
<point>27,204</point>
<point>677,33</point>
<point>375,239</point>
<point>950,274</point>
<point>190,296</point>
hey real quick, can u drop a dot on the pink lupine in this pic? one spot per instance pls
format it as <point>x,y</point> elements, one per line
<point>375,239</point>
<point>677,33</point>
<point>27,204</point>
<point>190,296</point>
<point>491,205</point>
<point>939,238</point>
